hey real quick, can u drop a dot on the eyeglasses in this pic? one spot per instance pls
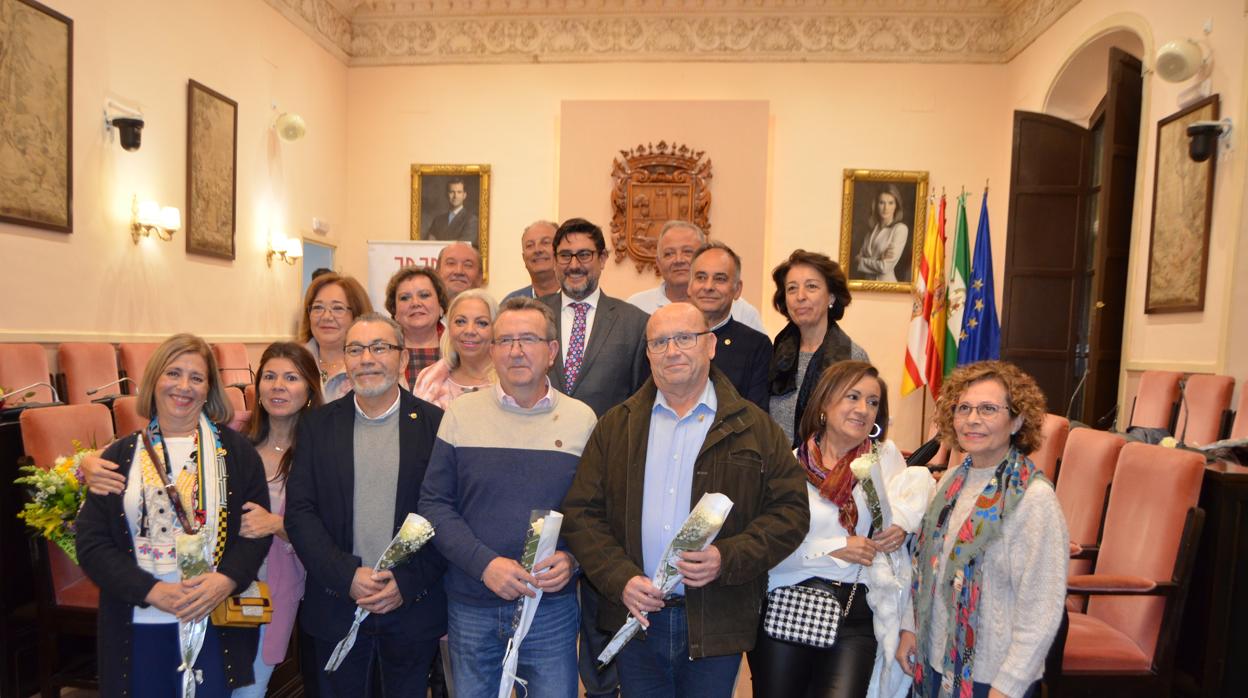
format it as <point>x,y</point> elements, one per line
<point>337,309</point>
<point>583,256</point>
<point>986,410</point>
<point>378,349</point>
<point>683,340</point>
<point>525,341</point>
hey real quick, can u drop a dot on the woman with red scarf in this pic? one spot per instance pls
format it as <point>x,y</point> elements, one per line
<point>854,544</point>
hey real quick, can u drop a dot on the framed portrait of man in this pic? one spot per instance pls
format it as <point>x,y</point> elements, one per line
<point>882,217</point>
<point>452,203</point>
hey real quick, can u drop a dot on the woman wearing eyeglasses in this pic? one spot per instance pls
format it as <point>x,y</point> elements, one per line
<point>330,305</point>
<point>465,365</point>
<point>990,561</point>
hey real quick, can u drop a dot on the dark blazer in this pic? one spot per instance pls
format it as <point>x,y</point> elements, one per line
<point>106,554</point>
<point>615,363</point>
<point>319,519</point>
<point>744,354</point>
<point>464,227</point>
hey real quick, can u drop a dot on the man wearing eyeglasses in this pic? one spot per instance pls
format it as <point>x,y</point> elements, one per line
<point>685,433</point>
<point>602,360</point>
<point>500,454</point>
<point>358,469</point>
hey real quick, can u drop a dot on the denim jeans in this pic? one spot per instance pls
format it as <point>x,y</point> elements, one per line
<point>263,672</point>
<point>659,666</point>
<point>478,635</point>
<point>978,690</point>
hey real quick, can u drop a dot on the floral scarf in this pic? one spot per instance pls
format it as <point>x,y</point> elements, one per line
<point>962,580</point>
<point>836,484</point>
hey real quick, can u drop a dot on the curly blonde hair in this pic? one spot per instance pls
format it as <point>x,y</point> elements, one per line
<point>1022,395</point>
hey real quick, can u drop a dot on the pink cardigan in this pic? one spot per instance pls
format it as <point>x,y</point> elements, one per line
<point>285,578</point>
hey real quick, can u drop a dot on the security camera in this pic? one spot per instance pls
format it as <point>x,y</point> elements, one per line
<point>1204,135</point>
<point>131,130</point>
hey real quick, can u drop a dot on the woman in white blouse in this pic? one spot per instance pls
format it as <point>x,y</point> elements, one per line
<point>877,258</point>
<point>842,554</point>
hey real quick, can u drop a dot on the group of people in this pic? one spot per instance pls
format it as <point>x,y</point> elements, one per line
<point>619,414</point>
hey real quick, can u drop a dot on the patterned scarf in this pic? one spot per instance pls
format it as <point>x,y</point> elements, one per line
<point>963,576</point>
<point>203,485</point>
<point>836,484</point>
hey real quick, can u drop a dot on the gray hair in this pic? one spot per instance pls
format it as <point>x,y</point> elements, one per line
<point>717,245</point>
<point>670,225</point>
<point>383,319</point>
<point>553,225</point>
<point>518,303</point>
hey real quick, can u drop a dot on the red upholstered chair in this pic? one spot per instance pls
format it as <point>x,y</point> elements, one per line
<point>1048,456</point>
<point>1088,464</point>
<point>1207,398</point>
<point>239,403</point>
<point>1155,400</point>
<point>126,417</point>
<point>1239,429</point>
<point>88,366</point>
<point>233,363</point>
<point>1124,643</point>
<point>249,396</point>
<point>67,601</point>
<point>133,357</point>
<point>24,364</point>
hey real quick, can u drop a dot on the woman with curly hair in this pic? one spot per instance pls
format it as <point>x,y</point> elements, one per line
<point>990,564</point>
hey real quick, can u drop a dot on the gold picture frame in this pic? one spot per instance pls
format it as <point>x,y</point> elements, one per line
<point>37,159</point>
<point>885,268</point>
<point>431,204</point>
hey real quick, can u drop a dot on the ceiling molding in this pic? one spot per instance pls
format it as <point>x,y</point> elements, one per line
<point>407,32</point>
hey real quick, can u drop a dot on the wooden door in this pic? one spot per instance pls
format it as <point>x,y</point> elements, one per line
<point>1109,252</point>
<point>1045,251</point>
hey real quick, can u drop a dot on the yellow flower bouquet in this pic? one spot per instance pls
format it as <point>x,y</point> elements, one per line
<point>56,494</point>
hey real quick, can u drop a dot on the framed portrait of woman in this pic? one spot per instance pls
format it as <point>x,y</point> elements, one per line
<point>882,218</point>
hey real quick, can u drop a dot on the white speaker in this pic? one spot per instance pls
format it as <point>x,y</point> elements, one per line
<point>290,127</point>
<point>1178,60</point>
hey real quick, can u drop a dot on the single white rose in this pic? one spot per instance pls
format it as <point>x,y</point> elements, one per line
<point>861,466</point>
<point>415,527</point>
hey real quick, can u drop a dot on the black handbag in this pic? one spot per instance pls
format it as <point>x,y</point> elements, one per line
<point>805,615</point>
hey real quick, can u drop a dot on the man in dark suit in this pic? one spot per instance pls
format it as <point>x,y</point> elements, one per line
<point>457,222</point>
<point>741,352</point>
<point>359,466</point>
<point>602,361</point>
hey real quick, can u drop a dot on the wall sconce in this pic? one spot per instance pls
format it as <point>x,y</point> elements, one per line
<point>287,250</point>
<point>148,217</point>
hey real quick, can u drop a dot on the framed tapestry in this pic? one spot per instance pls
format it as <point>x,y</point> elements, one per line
<point>36,116</point>
<point>452,203</point>
<point>211,171</point>
<point>882,217</point>
<point>1178,247</point>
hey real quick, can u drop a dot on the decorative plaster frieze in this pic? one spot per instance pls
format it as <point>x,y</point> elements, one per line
<point>406,32</point>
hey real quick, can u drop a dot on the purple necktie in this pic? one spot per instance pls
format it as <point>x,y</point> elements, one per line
<point>576,345</point>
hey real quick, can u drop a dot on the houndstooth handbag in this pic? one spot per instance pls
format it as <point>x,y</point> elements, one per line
<point>806,615</point>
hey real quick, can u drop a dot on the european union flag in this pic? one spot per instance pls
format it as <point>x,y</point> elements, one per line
<point>980,338</point>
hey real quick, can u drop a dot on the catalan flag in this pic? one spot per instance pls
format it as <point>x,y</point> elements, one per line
<point>981,333</point>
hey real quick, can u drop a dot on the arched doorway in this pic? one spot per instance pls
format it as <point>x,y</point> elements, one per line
<point>1072,185</point>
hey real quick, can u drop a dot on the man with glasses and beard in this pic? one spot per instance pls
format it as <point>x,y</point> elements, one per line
<point>357,474</point>
<point>502,453</point>
<point>602,360</point>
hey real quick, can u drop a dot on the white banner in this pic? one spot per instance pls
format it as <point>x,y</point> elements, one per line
<point>385,257</point>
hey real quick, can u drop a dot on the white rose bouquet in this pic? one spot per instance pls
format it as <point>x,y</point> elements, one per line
<point>696,533</point>
<point>415,532</point>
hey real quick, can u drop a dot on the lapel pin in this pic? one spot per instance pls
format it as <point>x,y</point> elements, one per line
<point>728,341</point>
<point>412,415</point>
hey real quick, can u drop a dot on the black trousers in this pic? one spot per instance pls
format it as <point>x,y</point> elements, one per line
<point>787,670</point>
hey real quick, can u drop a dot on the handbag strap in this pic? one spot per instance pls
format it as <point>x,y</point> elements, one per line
<point>849,603</point>
<point>170,490</point>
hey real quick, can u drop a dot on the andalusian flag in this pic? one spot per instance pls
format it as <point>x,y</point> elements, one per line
<point>934,303</point>
<point>981,338</point>
<point>915,372</point>
<point>957,287</point>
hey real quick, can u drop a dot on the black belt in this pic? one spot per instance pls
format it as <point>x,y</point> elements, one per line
<point>674,602</point>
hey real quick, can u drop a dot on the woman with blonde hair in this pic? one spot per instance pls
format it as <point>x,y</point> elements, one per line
<point>126,540</point>
<point>466,365</point>
<point>990,563</point>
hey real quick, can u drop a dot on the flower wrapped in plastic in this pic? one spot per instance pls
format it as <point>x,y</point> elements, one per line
<point>193,560</point>
<point>415,532</point>
<point>540,543</point>
<point>866,469</point>
<point>695,534</point>
<point>56,495</point>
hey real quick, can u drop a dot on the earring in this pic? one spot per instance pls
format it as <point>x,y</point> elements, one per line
<point>877,431</point>
<point>823,419</point>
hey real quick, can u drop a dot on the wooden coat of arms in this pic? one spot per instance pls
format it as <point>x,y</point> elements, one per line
<point>654,184</point>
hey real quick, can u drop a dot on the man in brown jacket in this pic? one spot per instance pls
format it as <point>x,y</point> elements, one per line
<point>685,433</point>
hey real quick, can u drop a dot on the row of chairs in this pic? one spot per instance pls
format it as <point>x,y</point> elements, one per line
<point>91,371</point>
<point>1195,408</point>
